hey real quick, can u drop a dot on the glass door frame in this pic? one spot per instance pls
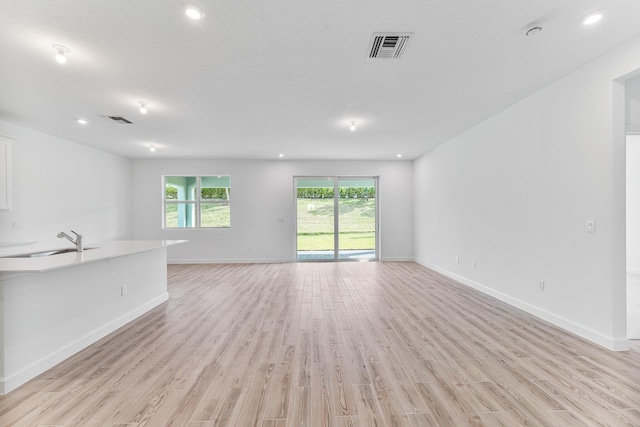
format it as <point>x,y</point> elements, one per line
<point>336,215</point>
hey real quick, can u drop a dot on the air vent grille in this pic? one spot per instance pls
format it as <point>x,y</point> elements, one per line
<point>118,119</point>
<point>388,45</point>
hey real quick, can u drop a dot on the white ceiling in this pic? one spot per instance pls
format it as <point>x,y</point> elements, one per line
<point>258,78</point>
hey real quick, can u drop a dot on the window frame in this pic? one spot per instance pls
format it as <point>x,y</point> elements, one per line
<point>197,202</point>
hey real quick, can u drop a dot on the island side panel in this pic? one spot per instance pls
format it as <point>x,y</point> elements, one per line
<point>52,315</point>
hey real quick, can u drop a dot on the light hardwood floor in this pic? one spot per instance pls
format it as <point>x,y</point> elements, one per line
<point>332,344</point>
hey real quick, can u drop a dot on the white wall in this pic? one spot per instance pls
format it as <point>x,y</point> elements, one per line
<point>59,185</point>
<point>632,111</point>
<point>514,192</point>
<point>633,204</point>
<point>262,193</point>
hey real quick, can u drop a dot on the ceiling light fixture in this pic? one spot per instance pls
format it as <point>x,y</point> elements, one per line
<point>353,126</point>
<point>60,56</point>
<point>592,18</point>
<point>399,155</point>
<point>194,12</point>
<point>143,107</point>
<point>81,121</point>
<point>532,29</point>
<point>152,148</point>
<point>281,155</point>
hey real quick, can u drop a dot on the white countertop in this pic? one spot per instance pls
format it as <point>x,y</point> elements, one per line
<point>101,251</point>
<point>7,244</point>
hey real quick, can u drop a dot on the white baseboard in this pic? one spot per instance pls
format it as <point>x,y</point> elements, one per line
<point>611,343</point>
<point>33,370</point>
<point>259,260</point>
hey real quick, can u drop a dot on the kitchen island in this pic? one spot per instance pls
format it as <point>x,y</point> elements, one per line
<point>51,307</point>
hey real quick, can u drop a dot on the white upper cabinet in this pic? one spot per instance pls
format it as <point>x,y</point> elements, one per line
<point>5,175</point>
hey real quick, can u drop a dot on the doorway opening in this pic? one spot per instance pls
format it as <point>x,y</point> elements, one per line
<point>632,124</point>
<point>336,218</point>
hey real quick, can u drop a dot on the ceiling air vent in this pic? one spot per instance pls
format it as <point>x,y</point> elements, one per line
<point>388,45</point>
<point>118,119</point>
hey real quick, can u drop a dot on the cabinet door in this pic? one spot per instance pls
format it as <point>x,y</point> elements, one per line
<point>5,175</point>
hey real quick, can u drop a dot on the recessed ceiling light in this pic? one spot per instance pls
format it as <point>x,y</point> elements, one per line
<point>352,128</point>
<point>152,148</point>
<point>60,56</point>
<point>143,107</point>
<point>281,155</point>
<point>81,121</point>
<point>592,18</point>
<point>194,12</point>
<point>399,155</point>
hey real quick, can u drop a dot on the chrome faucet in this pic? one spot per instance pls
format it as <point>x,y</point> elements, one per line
<point>77,241</point>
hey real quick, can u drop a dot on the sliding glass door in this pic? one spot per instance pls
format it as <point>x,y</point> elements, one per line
<point>315,219</point>
<point>336,218</point>
<point>356,218</point>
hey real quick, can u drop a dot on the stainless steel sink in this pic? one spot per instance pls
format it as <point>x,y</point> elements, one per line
<point>44,253</point>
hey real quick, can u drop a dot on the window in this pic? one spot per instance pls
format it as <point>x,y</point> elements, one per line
<point>197,202</point>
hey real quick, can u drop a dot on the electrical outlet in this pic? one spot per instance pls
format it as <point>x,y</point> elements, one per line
<point>123,290</point>
<point>541,285</point>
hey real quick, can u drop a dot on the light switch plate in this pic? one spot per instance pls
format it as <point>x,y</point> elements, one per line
<point>591,226</point>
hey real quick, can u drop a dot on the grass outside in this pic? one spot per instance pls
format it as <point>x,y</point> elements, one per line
<point>315,224</point>
<point>212,215</point>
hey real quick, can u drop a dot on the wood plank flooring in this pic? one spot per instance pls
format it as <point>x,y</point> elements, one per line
<point>332,344</point>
